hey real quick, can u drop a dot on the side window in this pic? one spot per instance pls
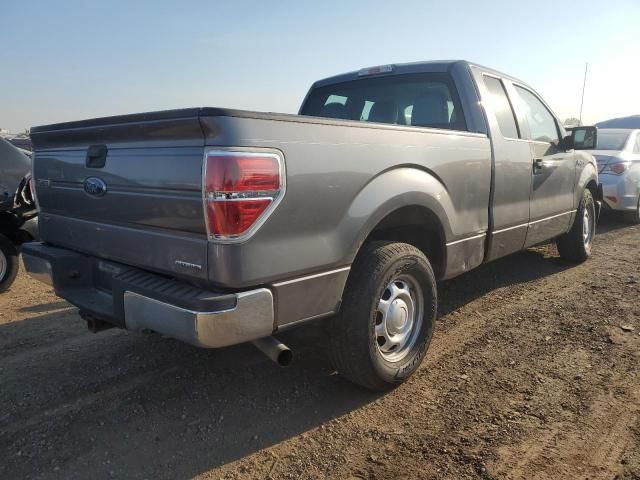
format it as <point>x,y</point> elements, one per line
<point>542,125</point>
<point>502,107</point>
<point>637,147</point>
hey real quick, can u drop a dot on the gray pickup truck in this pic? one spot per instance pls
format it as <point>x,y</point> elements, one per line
<point>218,227</point>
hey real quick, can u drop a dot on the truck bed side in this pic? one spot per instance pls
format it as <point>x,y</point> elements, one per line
<point>343,180</point>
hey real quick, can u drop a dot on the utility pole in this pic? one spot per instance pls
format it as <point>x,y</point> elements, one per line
<point>584,84</point>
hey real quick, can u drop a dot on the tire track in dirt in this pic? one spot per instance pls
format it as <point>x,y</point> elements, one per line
<point>528,375</point>
<point>593,448</point>
<point>465,330</point>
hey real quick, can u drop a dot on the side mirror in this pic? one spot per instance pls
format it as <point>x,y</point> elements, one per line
<point>584,138</point>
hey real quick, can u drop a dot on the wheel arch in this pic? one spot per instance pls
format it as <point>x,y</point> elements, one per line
<point>588,178</point>
<point>405,204</point>
<point>416,225</point>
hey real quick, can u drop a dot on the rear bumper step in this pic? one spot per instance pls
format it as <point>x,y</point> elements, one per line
<point>138,300</point>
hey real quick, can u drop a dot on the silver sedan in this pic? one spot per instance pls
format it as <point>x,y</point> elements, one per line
<point>618,157</point>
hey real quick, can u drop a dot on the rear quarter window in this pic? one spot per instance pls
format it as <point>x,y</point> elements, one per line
<point>419,100</point>
<point>501,106</point>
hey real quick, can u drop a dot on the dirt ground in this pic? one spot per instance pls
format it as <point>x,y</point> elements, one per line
<point>532,373</point>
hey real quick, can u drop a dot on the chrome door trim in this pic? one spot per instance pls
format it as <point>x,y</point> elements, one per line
<point>309,277</point>
<point>552,217</point>
<point>528,224</point>
<point>467,239</point>
<point>502,230</point>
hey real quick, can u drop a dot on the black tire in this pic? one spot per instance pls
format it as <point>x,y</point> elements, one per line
<point>354,345</point>
<point>633,217</point>
<point>9,263</point>
<point>575,246</point>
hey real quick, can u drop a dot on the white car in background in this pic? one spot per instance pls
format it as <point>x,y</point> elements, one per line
<point>618,157</point>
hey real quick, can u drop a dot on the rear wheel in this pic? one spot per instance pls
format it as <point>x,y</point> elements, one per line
<point>8,263</point>
<point>633,217</point>
<point>575,246</point>
<point>388,312</point>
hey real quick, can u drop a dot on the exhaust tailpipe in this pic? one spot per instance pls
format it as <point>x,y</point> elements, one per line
<point>275,350</point>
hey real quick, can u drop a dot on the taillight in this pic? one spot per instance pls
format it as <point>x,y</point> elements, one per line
<point>240,191</point>
<point>615,168</point>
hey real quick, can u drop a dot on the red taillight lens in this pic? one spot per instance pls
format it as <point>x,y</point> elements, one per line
<point>618,168</point>
<point>242,174</point>
<point>239,189</point>
<point>230,219</point>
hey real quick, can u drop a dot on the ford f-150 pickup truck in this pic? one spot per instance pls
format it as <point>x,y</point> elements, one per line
<point>218,227</point>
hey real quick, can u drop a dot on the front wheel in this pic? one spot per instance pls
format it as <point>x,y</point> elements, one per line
<point>575,246</point>
<point>386,321</point>
<point>8,263</point>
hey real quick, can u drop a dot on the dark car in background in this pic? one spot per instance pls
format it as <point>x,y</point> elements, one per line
<point>630,122</point>
<point>18,214</point>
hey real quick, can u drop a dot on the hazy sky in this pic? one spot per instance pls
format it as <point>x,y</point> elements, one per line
<point>66,60</point>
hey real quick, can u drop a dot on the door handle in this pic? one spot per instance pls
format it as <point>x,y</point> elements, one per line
<point>538,163</point>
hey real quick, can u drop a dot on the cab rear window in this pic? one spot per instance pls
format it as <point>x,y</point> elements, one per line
<point>420,100</point>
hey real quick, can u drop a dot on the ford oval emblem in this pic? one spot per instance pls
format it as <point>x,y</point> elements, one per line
<point>94,186</point>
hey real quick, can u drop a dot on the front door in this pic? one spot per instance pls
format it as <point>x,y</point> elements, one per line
<point>552,171</point>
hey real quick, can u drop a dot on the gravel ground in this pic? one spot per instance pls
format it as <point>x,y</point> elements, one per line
<point>532,373</point>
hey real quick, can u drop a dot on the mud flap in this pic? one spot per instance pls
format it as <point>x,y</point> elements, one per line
<point>599,198</point>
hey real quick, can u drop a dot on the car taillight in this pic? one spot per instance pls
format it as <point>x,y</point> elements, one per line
<point>615,168</point>
<point>240,190</point>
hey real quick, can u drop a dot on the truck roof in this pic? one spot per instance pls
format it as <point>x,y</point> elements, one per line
<point>436,66</point>
<point>440,66</point>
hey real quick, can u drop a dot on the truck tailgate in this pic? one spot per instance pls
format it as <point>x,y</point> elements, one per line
<point>125,188</point>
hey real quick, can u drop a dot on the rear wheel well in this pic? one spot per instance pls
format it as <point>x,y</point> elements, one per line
<point>417,226</point>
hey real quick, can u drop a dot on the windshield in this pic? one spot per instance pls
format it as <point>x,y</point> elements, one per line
<point>424,100</point>
<point>611,141</point>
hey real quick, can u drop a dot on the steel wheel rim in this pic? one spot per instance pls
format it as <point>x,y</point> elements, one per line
<point>3,265</point>
<point>587,227</point>
<point>398,318</point>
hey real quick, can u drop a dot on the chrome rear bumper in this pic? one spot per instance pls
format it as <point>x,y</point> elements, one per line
<point>130,298</point>
<point>250,319</point>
